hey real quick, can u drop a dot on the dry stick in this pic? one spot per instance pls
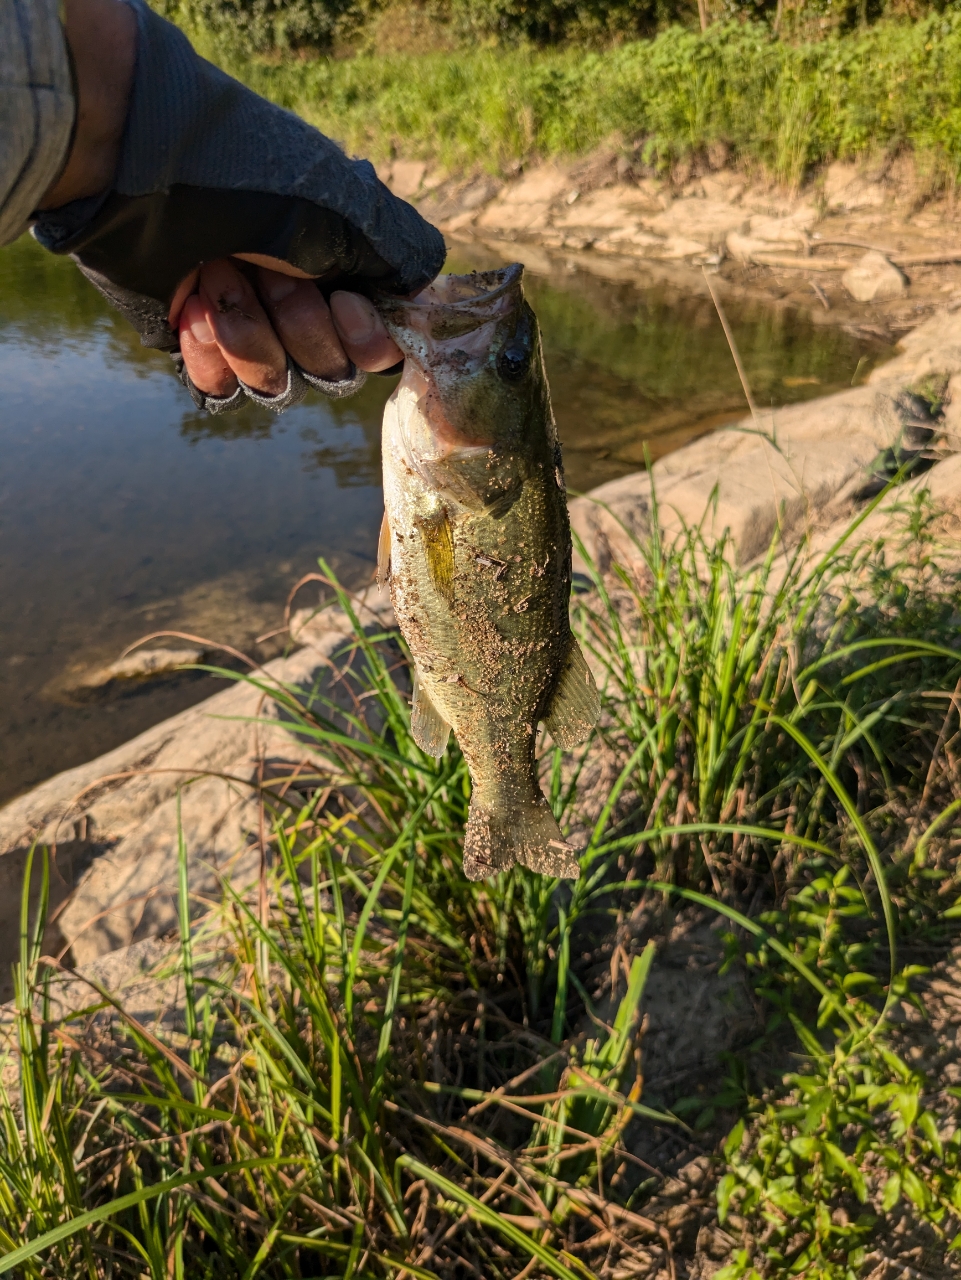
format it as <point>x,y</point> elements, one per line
<point>932,259</point>
<point>734,351</point>
<point>764,259</point>
<point>952,705</point>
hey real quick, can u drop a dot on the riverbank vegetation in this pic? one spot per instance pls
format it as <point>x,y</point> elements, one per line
<point>735,93</point>
<point>375,1068</point>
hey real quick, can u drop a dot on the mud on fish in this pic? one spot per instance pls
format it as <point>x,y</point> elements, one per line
<point>476,547</point>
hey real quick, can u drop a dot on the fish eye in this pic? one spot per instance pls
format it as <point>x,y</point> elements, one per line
<point>513,361</point>
<point>514,357</point>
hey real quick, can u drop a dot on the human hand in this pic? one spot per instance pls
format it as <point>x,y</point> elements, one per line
<point>233,327</point>
<point>207,172</point>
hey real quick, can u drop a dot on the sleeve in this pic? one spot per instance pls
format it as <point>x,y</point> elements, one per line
<point>209,169</point>
<point>36,108</point>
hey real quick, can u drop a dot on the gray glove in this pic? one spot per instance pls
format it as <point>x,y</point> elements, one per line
<point>209,169</point>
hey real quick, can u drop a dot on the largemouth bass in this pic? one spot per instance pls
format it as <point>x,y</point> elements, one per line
<point>476,547</point>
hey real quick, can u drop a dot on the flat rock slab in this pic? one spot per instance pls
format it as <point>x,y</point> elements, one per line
<point>113,825</point>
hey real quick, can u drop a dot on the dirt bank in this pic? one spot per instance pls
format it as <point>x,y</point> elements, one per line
<point>803,249</point>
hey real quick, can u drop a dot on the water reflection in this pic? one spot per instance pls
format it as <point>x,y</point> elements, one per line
<point>123,511</point>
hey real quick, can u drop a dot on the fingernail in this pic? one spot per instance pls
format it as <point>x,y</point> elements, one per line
<point>201,330</point>
<point>276,286</point>
<point>354,316</point>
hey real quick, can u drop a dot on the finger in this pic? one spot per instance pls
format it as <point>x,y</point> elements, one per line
<point>301,319</point>
<point>243,332</point>
<point>203,359</point>
<point>187,286</point>
<point>362,332</point>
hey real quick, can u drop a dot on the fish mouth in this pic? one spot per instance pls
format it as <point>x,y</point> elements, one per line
<point>447,333</point>
<point>477,287</point>
<point>451,307</point>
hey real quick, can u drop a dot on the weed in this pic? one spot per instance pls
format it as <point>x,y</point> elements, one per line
<point>786,107</point>
<point>377,1068</point>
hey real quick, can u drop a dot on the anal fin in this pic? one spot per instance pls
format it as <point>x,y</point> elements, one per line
<point>429,728</point>
<point>575,707</point>
<point>383,553</point>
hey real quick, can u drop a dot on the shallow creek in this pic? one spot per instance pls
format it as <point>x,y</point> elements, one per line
<point>125,512</point>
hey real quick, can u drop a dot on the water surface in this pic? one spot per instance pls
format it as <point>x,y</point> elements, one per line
<point>123,511</point>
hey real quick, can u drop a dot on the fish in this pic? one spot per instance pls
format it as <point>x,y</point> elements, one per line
<point>475,547</point>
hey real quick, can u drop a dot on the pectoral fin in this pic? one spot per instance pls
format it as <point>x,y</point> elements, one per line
<point>575,707</point>
<point>383,553</point>
<point>431,731</point>
<point>439,546</point>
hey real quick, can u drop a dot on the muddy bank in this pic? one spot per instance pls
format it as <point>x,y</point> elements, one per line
<point>805,250</point>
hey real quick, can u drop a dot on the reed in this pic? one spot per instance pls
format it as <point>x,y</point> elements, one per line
<point>376,1068</point>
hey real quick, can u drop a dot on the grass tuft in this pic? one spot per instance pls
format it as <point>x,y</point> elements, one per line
<point>376,1068</point>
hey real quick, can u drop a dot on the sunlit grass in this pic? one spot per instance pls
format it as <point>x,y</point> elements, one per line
<point>782,105</point>
<point>378,1068</point>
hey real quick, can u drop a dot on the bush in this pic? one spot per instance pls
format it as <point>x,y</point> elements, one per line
<point>255,27</point>
<point>251,27</point>
<point>783,107</point>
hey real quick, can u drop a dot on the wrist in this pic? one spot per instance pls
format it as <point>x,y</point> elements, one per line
<point>102,37</point>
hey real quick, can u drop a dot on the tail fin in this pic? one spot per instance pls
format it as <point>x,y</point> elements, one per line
<point>528,835</point>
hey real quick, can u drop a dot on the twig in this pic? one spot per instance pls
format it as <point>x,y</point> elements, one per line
<point>899,259</point>
<point>797,263</point>
<point>734,351</point>
<point>910,838</point>
<point>822,296</point>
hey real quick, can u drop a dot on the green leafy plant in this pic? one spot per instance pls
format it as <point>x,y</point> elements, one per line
<point>377,1068</point>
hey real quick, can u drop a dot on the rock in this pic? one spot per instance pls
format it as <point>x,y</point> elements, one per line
<point>676,247</point>
<point>874,279</point>
<point>891,521</point>
<point>612,519</point>
<point>130,891</point>
<point>745,479</point>
<point>743,247</point>
<point>846,189</point>
<point>789,230</point>
<point>406,177</point>
<point>525,205</point>
<point>790,470</point>
<point>141,665</point>
<point>479,193</point>
<point>704,221</point>
<point>614,208</point>
<point>131,975</point>
<point>120,813</point>
<point>951,423</point>
<point>765,234</point>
